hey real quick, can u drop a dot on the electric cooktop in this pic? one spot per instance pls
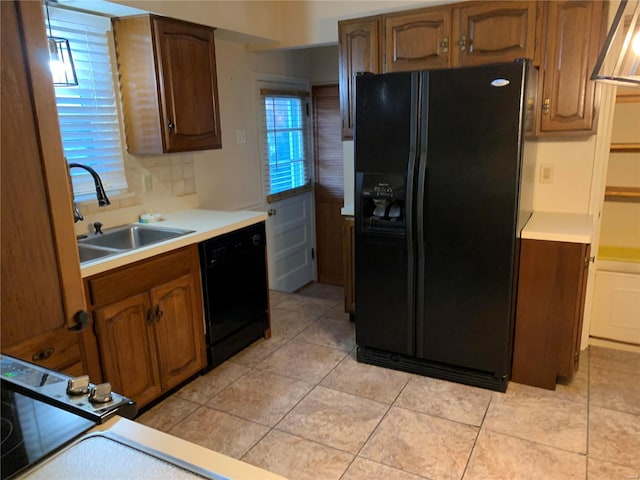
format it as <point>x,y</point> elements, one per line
<point>43,410</point>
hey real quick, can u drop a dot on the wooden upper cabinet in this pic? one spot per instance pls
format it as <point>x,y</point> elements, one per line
<point>41,282</point>
<point>359,47</point>
<point>489,32</point>
<point>169,86</point>
<point>574,33</point>
<point>417,40</point>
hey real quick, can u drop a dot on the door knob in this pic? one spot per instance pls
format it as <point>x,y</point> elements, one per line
<point>81,319</point>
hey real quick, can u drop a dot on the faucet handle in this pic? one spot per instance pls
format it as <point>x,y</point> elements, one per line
<point>98,227</point>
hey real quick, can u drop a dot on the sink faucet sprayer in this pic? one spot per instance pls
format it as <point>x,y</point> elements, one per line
<point>100,193</point>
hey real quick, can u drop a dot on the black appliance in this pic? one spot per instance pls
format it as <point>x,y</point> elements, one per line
<point>235,288</point>
<point>444,182</point>
<point>43,410</point>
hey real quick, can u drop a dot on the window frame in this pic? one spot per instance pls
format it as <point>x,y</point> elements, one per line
<point>285,90</point>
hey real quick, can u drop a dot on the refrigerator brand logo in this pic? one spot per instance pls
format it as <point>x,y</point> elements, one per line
<point>500,82</point>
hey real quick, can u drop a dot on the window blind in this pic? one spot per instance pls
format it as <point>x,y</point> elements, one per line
<point>88,113</point>
<point>284,145</point>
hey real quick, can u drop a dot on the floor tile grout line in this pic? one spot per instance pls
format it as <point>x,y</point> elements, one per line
<point>386,413</point>
<point>475,441</point>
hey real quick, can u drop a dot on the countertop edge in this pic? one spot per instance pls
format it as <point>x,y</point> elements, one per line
<point>559,227</point>
<point>205,223</point>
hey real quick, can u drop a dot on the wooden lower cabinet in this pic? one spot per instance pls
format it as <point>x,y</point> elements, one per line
<point>348,255</point>
<point>149,333</point>
<point>550,306</point>
<point>127,348</point>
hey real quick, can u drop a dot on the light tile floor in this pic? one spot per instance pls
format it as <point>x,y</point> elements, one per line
<point>300,405</point>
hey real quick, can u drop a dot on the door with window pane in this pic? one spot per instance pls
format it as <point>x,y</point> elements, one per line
<point>285,149</point>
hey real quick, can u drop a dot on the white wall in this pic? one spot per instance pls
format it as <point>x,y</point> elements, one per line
<point>231,178</point>
<point>323,65</point>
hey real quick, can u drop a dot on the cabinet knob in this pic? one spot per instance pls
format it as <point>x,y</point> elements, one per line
<point>463,43</point>
<point>42,355</point>
<point>589,260</point>
<point>444,45</point>
<point>81,320</point>
<point>149,317</point>
<point>159,313</point>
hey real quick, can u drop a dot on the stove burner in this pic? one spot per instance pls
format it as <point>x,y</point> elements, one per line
<point>10,439</point>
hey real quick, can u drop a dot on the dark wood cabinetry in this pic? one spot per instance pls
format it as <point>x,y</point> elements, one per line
<point>551,294</point>
<point>169,87</point>
<point>149,323</point>
<point>41,284</point>
<point>417,40</point>
<point>348,255</point>
<point>563,38</point>
<point>489,32</point>
<point>359,52</point>
<point>473,34</point>
<point>572,43</point>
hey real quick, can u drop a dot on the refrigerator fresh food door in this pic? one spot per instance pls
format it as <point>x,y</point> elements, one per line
<point>467,208</point>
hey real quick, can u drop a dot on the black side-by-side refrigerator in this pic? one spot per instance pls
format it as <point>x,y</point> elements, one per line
<point>444,179</point>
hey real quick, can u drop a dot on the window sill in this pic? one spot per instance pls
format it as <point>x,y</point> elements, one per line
<point>289,193</point>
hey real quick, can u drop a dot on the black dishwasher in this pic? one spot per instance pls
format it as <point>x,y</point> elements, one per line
<point>234,282</point>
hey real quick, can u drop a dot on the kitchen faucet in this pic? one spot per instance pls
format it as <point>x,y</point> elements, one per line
<point>100,193</point>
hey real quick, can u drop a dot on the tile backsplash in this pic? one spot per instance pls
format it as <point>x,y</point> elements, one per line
<point>169,176</point>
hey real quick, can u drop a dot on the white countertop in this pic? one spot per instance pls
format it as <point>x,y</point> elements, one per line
<point>134,453</point>
<point>205,223</point>
<point>559,227</point>
<point>348,210</point>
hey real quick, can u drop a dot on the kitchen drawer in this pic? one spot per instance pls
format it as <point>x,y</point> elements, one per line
<point>138,277</point>
<point>58,350</point>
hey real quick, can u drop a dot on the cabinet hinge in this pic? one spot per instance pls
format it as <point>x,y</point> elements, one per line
<point>313,254</point>
<point>576,357</point>
<point>537,13</point>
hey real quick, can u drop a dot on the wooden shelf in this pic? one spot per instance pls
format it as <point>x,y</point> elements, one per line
<point>622,194</point>
<point>624,147</point>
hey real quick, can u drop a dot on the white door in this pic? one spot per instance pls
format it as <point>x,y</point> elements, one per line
<point>290,242</point>
<point>285,148</point>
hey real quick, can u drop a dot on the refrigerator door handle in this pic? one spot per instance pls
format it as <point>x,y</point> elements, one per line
<point>420,260</point>
<point>409,214</point>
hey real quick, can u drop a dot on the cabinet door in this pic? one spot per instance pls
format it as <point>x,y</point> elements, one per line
<point>127,348</point>
<point>417,40</point>
<point>488,32</point>
<point>189,89</point>
<point>550,306</point>
<point>41,284</point>
<point>348,250</point>
<point>179,329</point>
<point>572,45</point>
<point>359,52</point>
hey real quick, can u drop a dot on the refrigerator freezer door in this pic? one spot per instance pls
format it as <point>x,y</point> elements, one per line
<point>468,207</point>
<point>385,150</point>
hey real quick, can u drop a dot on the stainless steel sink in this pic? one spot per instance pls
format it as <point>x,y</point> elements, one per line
<point>124,238</point>
<point>90,252</point>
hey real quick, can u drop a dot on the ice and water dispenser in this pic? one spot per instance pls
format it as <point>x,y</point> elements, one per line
<point>382,202</point>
